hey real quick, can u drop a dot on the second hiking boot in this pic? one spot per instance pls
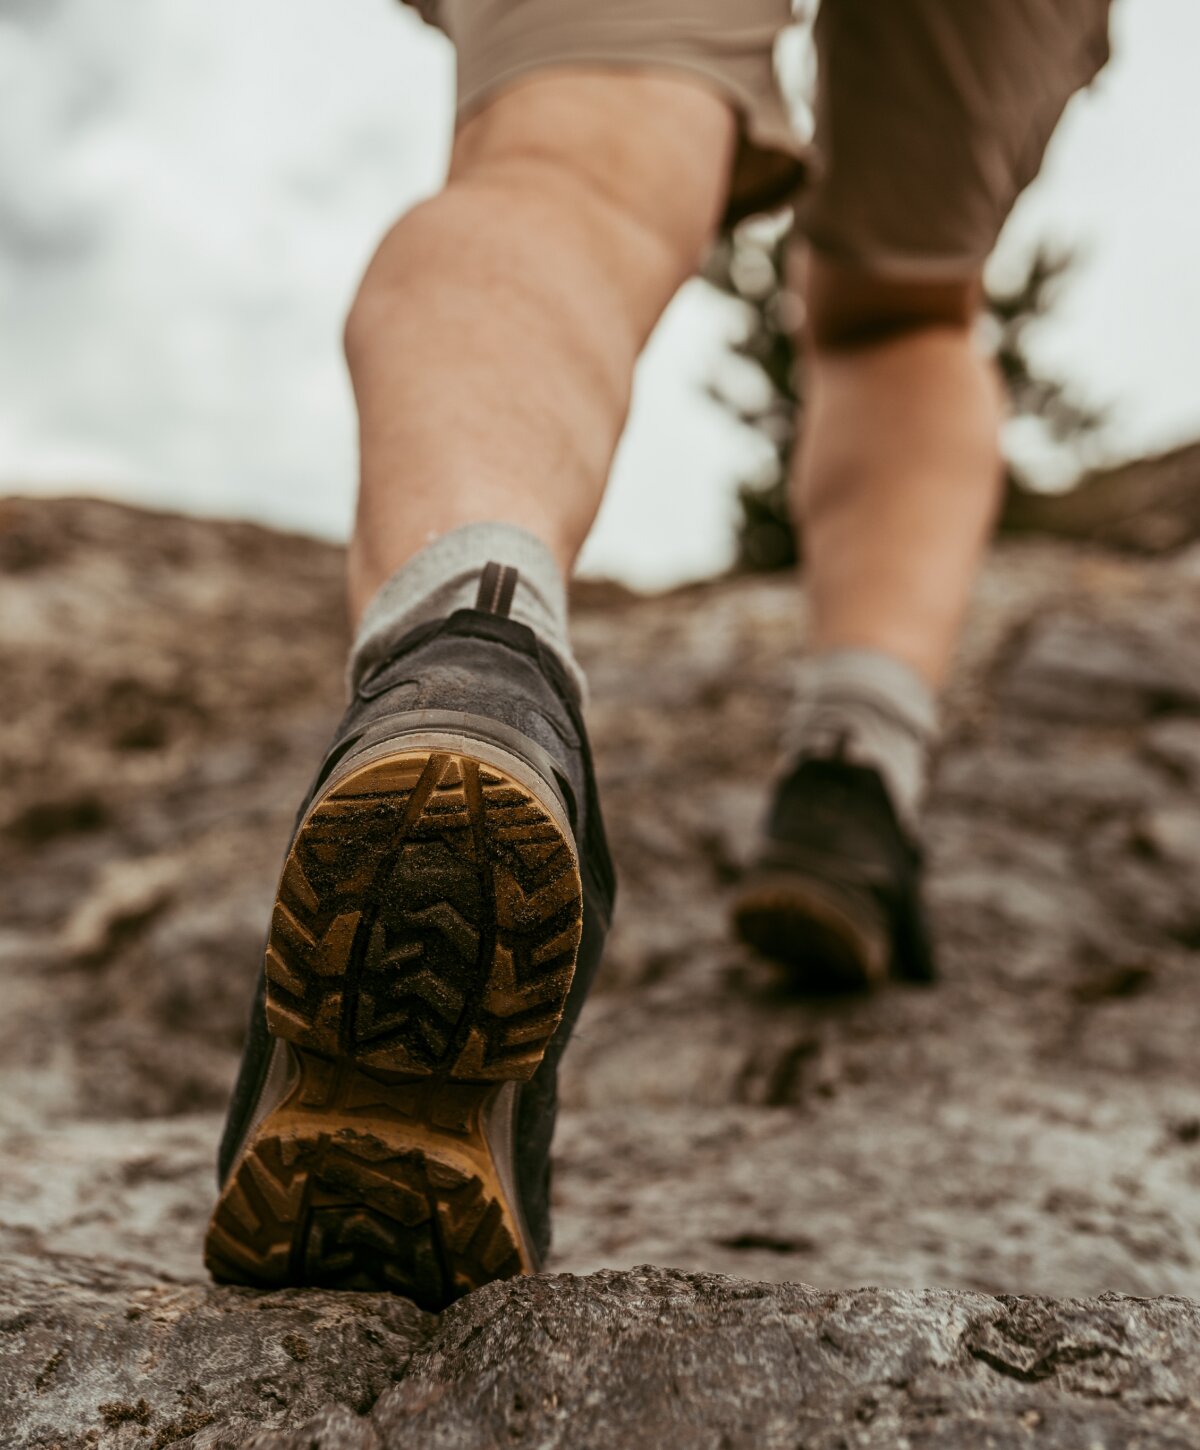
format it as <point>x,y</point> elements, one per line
<point>439,917</point>
<point>835,892</point>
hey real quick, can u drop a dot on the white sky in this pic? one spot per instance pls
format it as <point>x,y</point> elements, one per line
<point>188,196</point>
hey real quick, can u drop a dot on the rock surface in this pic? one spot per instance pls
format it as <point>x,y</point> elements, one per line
<point>1029,1127</point>
<point>1147,506</point>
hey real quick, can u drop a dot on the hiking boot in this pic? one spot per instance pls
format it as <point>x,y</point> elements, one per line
<point>438,921</point>
<point>835,893</point>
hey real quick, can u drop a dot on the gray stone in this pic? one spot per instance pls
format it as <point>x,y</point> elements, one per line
<point>1102,672</point>
<point>93,1354</point>
<point>1175,743</point>
<point>1031,1125</point>
<point>680,1360</point>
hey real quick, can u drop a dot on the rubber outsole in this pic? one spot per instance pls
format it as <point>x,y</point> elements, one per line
<point>828,941</point>
<point>421,951</point>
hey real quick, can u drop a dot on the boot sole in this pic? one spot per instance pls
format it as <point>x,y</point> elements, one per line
<point>826,946</point>
<point>421,950</point>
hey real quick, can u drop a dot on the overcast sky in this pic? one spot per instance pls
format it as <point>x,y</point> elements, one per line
<point>188,196</point>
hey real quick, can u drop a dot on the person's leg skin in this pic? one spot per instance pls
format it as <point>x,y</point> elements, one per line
<point>896,484</point>
<point>931,119</point>
<point>493,341</point>
<point>444,900</point>
<point>898,478</point>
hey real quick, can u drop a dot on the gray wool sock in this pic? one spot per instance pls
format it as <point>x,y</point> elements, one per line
<point>446,575</point>
<point>872,709</point>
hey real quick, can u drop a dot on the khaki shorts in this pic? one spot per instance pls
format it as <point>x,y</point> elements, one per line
<point>932,115</point>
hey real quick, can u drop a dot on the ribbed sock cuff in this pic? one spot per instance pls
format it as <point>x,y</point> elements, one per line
<point>445,576</point>
<point>869,708</point>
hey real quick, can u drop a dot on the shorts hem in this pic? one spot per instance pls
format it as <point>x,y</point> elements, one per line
<point>901,266</point>
<point>763,131</point>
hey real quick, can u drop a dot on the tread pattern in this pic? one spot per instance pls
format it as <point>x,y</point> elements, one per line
<point>427,922</point>
<point>370,1203</point>
<point>421,951</point>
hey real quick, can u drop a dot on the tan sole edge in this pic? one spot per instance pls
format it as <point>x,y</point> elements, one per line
<point>421,952</point>
<point>802,925</point>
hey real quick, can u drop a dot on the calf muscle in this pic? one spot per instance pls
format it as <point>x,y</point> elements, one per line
<point>493,341</point>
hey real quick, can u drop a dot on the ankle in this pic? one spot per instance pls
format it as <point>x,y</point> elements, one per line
<point>870,708</point>
<point>447,575</point>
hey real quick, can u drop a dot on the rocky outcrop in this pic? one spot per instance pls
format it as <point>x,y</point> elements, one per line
<point>1029,1127</point>
<point>612,1360</point>
<point>1147,505</point>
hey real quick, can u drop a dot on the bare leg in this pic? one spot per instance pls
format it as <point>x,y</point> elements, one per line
<point>447,891</point>
<point>493,341</point>
<point>896,486</point>
<point>899,475</point>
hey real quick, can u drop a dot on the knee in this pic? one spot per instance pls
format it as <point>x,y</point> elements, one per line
<point>648,153</point>
<point>847,308</point>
